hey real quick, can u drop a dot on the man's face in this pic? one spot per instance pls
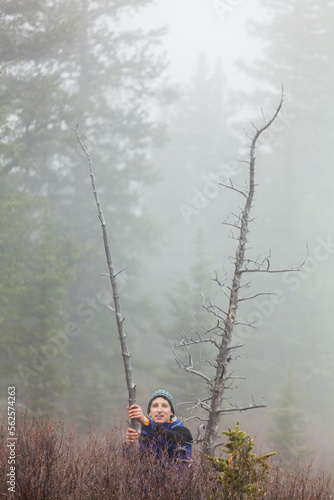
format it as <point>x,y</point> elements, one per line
<point>160,411</point>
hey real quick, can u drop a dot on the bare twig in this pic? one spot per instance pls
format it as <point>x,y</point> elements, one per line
<point>244,408</point>
<point>234,189</point>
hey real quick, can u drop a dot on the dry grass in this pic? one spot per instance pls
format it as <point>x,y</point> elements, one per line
<point>52,464</point>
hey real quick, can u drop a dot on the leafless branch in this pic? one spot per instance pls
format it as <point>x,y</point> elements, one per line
<point>233,188</point>
<point>221,443</point>
<point>195,417</point>
<point>189,365</point>
<point>185,342</point>
<point>220,283</point>
<point>244,408</point>
<point>232,347</point>
<point>119,272</point>
<point>272,271</point>
<point>231,224</point>
<point>251,297</point>
<point>202,403</point>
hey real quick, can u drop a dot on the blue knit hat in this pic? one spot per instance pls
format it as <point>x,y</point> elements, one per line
<point>161,393</point>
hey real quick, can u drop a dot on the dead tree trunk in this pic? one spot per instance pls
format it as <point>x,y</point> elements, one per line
<point>222,334</point>
<point>131,386</point>
<point>211,431</point>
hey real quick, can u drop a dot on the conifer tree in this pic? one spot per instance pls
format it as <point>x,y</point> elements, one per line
<point>297,41</point>
<point>63,64</point>
<point>185,298</point>
<point>287,431</point>
<point>35,270</point>
<point>243,474</point>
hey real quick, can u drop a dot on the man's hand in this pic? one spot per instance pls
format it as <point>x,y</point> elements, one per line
<point>132,435</point>
<point>135,411</point>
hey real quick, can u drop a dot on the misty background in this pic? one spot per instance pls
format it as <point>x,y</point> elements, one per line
<point>164,94</point>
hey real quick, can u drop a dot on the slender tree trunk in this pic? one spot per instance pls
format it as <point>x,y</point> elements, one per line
<point>131,386</point>
<point>211,431</point>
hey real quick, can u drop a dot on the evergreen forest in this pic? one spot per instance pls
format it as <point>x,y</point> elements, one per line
<point>162,145</point>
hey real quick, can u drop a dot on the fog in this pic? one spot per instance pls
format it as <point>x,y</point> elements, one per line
<point>194,27</point>
<point>166,95</point>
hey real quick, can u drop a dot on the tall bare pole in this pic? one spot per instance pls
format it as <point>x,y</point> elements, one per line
<point>131,386</point>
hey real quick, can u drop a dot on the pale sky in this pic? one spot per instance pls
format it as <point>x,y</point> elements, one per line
<point>218,27</point>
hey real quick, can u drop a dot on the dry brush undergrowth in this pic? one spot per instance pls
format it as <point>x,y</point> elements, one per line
<point>53,463</point>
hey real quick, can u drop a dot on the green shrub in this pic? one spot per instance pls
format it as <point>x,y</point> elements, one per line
<point>243,474</point>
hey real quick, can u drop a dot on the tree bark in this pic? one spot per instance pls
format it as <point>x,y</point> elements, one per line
<point>131,386</point>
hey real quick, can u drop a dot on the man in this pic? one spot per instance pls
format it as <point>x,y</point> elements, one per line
<point>161,430</point>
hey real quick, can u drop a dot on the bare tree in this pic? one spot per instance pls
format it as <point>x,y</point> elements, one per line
<point>131,386</point>
<point>221,335</point>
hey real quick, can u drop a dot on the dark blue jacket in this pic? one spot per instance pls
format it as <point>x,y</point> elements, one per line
<point>173,437</point>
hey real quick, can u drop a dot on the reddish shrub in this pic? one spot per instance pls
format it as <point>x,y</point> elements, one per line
<point>52,463</point>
